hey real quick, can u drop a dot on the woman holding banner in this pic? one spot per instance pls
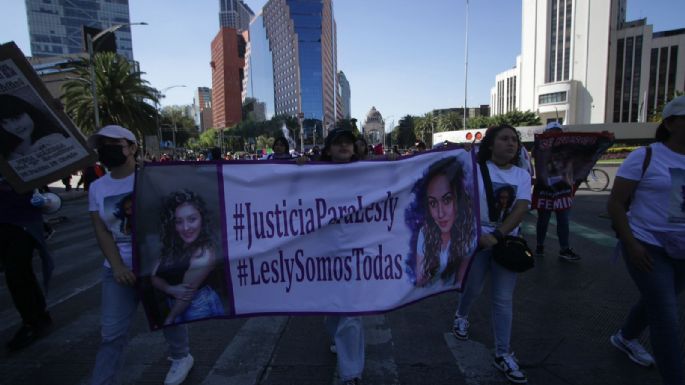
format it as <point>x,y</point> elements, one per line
<point>188,258</point>
<point>499,152</point>
<point>442,247</point>
<point>24,129</point>
<point>116,147</point>
<point>347,332</point>
<point>650,186</point>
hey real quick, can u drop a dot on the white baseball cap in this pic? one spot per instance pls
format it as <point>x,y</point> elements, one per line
<point>111,131</point>
<point>675,107</point>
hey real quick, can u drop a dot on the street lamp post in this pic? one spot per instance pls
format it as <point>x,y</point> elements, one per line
<point>300,117</point>
<point>89,43</point>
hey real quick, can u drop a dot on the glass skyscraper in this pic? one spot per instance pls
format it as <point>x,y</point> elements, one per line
<point>301,38</point>
<point>260,69</point>
<point>56,26</point>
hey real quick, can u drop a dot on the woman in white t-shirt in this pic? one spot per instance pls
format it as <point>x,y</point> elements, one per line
<point>116,147</point>
<point>499,151</point>
<point>652,241</point>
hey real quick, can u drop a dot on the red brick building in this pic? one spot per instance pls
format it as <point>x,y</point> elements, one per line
<point>228,64</point>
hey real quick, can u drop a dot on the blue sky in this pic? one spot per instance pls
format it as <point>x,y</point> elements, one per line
<point>403,57</point>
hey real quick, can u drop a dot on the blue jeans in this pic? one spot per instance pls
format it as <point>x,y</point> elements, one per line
<point>562,227</point>
<point>658,309</point>
<point>119,304</point>
<point>503,283</point>
<point>205,304</point>
<point>348,335</point>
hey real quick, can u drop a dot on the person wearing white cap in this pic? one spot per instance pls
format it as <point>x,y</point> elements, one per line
<point>647,209</point>
<point>108,196</point>
<point>563,218</point>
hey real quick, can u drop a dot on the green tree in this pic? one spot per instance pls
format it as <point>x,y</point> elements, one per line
<point>479,122</point>
<point>405,136</point>
<point>517,119</point>
<point>450,121</point>
<point>124,98</point>
<point>173,118</point>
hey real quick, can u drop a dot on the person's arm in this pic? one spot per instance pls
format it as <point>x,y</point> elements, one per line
<point>199,269</point>
<point>122,274</point>
<point>512,220</point>
<point>181,292</point>
<point>620,195</point>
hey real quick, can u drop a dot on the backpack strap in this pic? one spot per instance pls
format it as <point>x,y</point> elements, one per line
<point>489,195</point>
<point>645,165</point>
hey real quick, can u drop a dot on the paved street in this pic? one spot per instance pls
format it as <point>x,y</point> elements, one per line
<point>564,315</point>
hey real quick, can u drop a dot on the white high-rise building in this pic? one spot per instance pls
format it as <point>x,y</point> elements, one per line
<point>581,62</point>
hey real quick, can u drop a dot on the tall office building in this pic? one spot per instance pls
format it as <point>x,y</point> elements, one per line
<point>228,66</point>
<point>301,36</point>
<point>259,67</point>
<point>235,14</point>
<point>345,95</point>
<point>582,62</point>
<point>56,26</point>
<point>202,107</point>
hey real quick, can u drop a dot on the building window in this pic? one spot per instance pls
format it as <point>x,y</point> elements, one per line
<point>618,80</point>
<point>552,98</point>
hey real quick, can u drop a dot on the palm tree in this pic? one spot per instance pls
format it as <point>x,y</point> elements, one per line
<point>124,98</point>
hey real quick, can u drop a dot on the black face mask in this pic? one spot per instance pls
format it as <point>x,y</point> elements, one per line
<point>111,155</point>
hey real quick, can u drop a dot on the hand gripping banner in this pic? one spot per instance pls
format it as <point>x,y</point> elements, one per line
<point>230,239</point>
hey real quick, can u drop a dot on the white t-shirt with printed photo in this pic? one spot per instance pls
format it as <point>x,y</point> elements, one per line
<point>658,204</point>
<point>508,187</point>
<point>112,199</point>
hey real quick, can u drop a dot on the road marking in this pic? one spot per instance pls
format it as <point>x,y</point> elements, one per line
<point>380,365</point>
<point>474,361</point>
<point>576,229</point>
<point>247,356</point>
<point>10,319</point>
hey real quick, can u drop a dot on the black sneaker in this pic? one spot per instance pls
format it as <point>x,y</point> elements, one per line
<point>569,255</point>
<point>28,334</point>
<point>540,251</point>
<point>510,367</point>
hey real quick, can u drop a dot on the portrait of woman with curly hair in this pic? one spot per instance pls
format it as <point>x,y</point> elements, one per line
<point>445,240</point>
<point>188,257</point>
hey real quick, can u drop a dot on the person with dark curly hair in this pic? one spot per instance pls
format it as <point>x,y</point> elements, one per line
<point>188,257</point>
<point>443,244</point>
<point>24,129</point>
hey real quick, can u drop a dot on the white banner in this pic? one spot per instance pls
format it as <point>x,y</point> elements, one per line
<point>350,238</point>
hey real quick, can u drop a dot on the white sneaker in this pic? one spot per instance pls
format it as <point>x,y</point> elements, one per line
<point>633,349</point>
<point>179,370</point>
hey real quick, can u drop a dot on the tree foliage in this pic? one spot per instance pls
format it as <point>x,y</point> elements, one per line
<point>124,98</point>
<point>513,118</point>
